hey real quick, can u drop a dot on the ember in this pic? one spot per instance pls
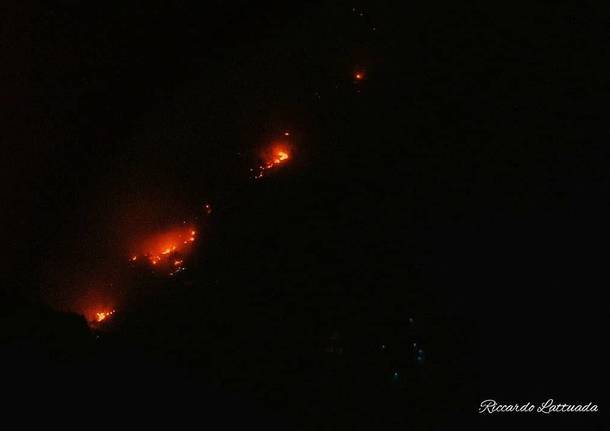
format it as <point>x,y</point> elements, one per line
<point>359,76</point>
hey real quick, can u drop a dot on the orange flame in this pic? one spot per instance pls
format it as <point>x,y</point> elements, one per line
<point>103,315</point>
<point>273,158</point>
<point>167,249</point>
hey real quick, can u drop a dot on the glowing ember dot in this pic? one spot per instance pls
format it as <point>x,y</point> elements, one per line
<point>359,76</point>
<point>286,133</point>
<point>134,258</point>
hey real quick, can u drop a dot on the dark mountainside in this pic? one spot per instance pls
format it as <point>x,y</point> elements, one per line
<point>454,203</point>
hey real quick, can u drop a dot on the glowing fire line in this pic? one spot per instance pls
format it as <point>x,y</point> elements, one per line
<point>277,157</point>
<point>167,249</point>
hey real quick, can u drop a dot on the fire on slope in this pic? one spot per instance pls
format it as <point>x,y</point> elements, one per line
<point>100,316</point>
<point>166,251</point>
<point>276,155</point>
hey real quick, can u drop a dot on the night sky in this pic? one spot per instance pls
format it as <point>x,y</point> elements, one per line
<point>381,213</point>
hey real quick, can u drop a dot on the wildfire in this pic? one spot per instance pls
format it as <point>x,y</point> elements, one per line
<point>273,158</point>
<point>103,315</point>
<point>167,250</point>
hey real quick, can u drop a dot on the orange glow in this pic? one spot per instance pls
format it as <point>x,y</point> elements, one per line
<point>359,75</point>
<point>168,249</point>
<point>277,155</point>
<point>103,315</point>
